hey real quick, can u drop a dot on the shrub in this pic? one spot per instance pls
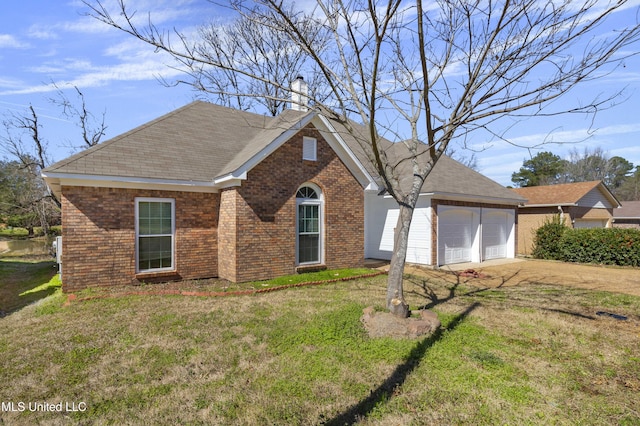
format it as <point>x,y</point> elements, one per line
<point>546,244</point>
<point>609,246</point>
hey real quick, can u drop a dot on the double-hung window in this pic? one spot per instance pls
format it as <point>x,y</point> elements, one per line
<point>155,234</point>
<point>309,227</point>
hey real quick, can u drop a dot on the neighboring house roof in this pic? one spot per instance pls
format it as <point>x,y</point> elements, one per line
<point>628,210</point>
<point>568,194</point>
<point>205,147</point>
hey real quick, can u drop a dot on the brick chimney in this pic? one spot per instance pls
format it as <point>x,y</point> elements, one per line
<point>299,95</point>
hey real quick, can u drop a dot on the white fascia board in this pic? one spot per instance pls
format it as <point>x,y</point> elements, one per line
<point>57,180</point>
<point>471,198</point>
<point>264,153</point>
<point>232,179</point>
<point>342,149</point>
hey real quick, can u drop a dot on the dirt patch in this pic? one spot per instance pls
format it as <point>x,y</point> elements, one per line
<point>592,277</point>
<point>385,324</point>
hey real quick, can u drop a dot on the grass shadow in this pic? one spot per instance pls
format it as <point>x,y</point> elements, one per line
<point>23,283</point>
<point>427,289</point>
<point>386,390</point>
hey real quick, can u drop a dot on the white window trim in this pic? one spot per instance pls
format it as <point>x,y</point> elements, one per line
<point>317,202</point>
<point>309,148</point>
<point>138,200</point>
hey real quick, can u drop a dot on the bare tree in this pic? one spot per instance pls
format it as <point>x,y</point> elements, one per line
<point>425,76</point>
<point>33,201</point>
<point>22,140</point>
<point>253,45</point>
<point>92,129</point>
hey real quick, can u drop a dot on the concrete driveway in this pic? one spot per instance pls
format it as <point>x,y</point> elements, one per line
<point>512,272</point>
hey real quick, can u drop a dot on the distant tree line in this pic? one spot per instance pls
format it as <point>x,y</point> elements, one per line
<point>546,168</point>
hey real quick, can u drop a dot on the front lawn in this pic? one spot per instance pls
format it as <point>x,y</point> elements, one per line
<point>21,282</point>
<point>528,354</point>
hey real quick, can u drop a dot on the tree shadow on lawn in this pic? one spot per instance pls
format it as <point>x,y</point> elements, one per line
<point>522,294</point>
<point>19,282</point>
<point>386,390</point>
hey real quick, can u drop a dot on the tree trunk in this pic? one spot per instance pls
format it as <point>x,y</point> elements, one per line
<point>395,296</point>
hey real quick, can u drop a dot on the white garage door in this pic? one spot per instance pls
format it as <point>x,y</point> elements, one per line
<point>494,234</point>
<point>456,233</point>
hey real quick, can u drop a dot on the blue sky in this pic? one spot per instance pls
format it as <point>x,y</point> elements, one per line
<point>43,41</point>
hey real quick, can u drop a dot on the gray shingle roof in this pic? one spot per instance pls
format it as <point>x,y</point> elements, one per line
<point>447,177</point>
<point>197,142</point>
<point>201,141</point>
<point>627,210</point>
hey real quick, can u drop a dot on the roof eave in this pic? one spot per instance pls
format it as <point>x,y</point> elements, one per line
<point>550,205</point>
<point>56,181</point>
<point>474,198</point>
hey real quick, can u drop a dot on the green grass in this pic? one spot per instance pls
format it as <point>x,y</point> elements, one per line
<point>517,355</point>
<point>23,282</point>
<point>331,274</point>
<point>14,232</point>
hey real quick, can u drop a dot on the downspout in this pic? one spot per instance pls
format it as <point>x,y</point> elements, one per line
<point>561,214</point>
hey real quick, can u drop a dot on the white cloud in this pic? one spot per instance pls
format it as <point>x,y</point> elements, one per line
<point>10,83</point>
<point>9,41</point>
<point>40,33</point>
<point>101,76</point>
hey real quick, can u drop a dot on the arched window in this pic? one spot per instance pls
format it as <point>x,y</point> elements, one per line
<point>309,220</point>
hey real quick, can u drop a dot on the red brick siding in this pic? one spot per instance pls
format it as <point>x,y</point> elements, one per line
<point>227,241</point>
<point>266,215</point>
<point>98,231</point>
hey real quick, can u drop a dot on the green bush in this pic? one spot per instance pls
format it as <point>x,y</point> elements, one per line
<point>547,240</point>
<point>608,246</point>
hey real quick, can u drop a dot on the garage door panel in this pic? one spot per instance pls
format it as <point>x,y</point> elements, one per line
<point>494,234</point>
<point>455,236</point>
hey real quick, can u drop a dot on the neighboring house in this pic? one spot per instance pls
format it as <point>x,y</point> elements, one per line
<point>580,205</point>
<point>628,215</point>
<point>208,191</point>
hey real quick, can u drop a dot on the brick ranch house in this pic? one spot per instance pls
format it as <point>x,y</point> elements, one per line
<point>580,205</point>
<point>207,191</point>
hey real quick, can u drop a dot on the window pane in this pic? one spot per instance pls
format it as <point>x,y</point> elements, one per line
<point>308,248</point>
<point>154,252</point>
<point>307,192</point>
<point>308,219</point>
<point>154,218</point>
